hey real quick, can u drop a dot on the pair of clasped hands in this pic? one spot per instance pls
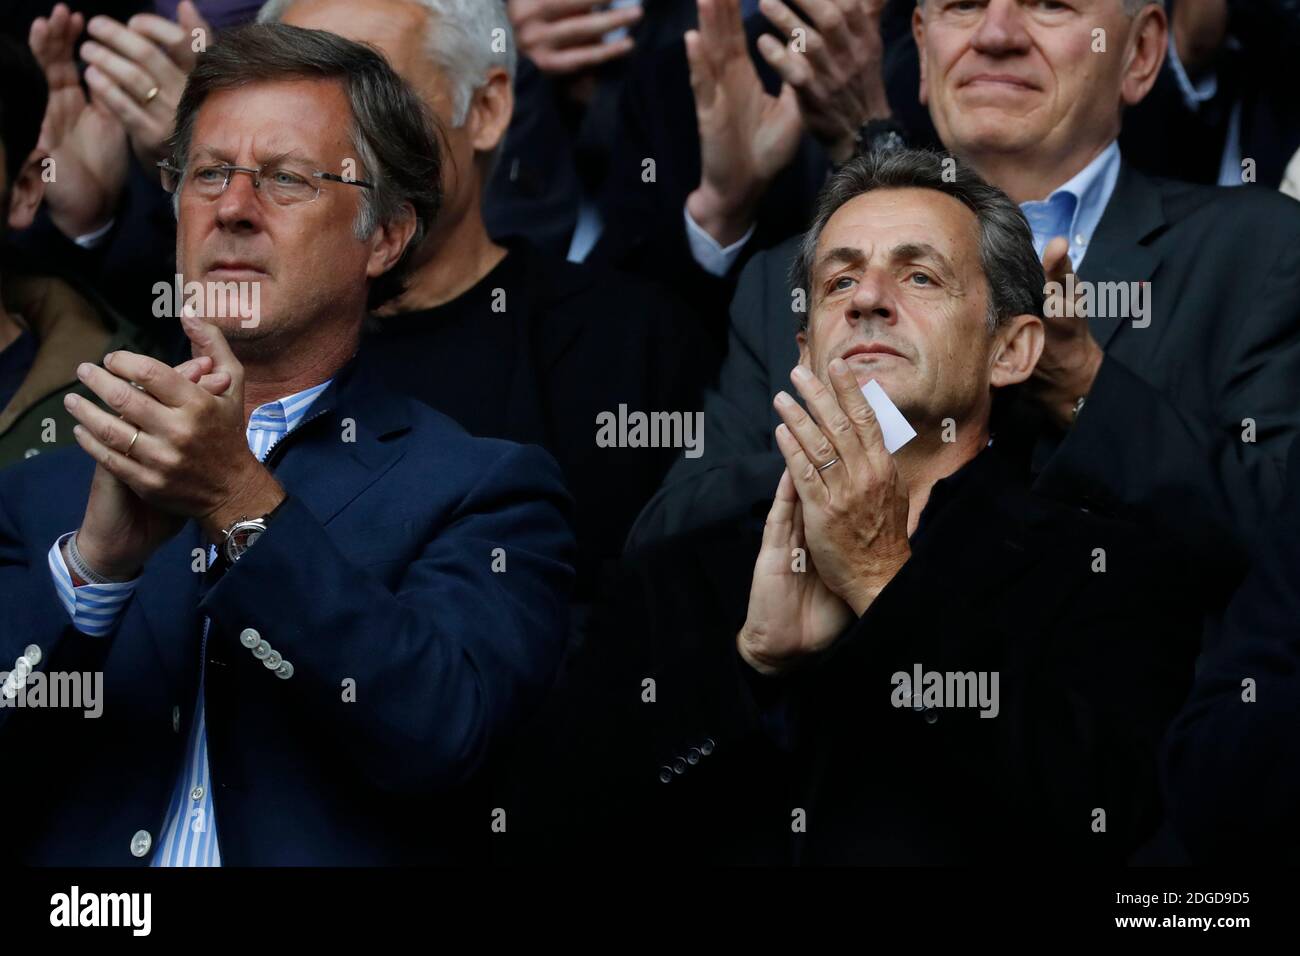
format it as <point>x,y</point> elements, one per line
<point>837,532</point>
<point>172,447</point>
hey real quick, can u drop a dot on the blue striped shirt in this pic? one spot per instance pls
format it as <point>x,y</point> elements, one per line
<point>189,835</point>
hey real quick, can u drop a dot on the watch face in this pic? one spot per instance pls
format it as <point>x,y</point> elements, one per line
<point>242,537</point>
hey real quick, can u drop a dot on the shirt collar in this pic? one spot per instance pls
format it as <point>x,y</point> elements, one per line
<point>285,414</point>
<point>1087,194</point>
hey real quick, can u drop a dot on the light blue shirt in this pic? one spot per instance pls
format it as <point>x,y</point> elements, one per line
<point>189,834</point>
<point>1075,207</point>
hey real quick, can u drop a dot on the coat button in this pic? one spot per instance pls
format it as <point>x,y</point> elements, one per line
<point>931,715</point>
<point>272,660</point>
<point>22,667</point>
<point>693,756</point>
<point>679,766</point>
<point>33,654</point>
<point>196,793</point>
<point>140,843</point>
<point>261,650</point>
<point>665,774</point>
<point>249,638</point>
<point>284,671</point>
<point>706,748</point>
<point>176,719</point>
<point>31,453</point>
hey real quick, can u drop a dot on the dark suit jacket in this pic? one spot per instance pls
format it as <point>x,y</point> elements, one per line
<point>378,568</point>
<point>1091,666</point>
<point>1160,439</point>
<point>1232,764</point>
<point>1258,76</point>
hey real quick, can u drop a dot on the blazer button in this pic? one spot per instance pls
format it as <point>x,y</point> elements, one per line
<point>706,748</point>
<point>931,715</point>
<point>33,654</point>
<point>665,774</point>
<point>693,756</point>
<point>261,650</point>
<point>679,766</point>
<point>140,843</point>
<point>272,660</point>
<point>176,719</point>
<point>249,638</point>
<point>284,671</point>
<point>22,667</point>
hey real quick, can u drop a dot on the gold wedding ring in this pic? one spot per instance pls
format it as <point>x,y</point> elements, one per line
<point>148,97</point>
<point>127,453</point>
<point>821,468</point>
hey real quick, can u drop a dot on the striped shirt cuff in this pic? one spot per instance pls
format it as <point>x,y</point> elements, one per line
<point>94,608</point>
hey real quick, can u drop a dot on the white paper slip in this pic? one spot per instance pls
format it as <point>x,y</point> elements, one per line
<point>893,426</point>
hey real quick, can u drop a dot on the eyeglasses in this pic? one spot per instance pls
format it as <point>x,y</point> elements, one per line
<point>283,186</point>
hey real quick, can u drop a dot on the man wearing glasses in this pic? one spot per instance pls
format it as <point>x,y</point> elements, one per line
<point>316,608</point>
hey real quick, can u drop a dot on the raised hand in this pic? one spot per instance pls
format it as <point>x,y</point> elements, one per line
<point>792,613</point>
<point>747,136</point>
<point>839,76</point>
<point>190,456</point>
<point>120,530</point>
<point>568,36</point>
<point>854,500</point>
<point>1071,356</point>
<point>84,139</point>
<point>139,72</point>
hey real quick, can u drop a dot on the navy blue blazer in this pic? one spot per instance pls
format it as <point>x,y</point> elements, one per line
<point>429,567</point>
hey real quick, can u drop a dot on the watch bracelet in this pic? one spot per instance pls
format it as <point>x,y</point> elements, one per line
<point>78,566</point>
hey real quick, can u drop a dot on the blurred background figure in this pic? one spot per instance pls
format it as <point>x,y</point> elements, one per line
<point>507,338</point>
<point>49,321</point>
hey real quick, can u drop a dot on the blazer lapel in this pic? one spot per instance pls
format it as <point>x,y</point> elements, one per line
<point>1119,250</point>
<point>310,465</point>
<point>315,472</point>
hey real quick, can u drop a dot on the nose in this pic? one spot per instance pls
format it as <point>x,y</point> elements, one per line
<point>238,207</point>
<point>1001,29</point>
<point>871,300</point>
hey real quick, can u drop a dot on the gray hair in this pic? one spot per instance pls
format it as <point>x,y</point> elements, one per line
<point>1007,257</point>
<point>391,130</point>
<point>466,39</point>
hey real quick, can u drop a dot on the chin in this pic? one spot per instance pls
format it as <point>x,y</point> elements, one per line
<point>237,329</point>
<point>990,130</point>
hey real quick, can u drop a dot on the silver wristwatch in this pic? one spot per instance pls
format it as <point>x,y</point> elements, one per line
<point>240,536</point>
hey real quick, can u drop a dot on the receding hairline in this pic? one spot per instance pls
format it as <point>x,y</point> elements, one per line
<point>904,249</point>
